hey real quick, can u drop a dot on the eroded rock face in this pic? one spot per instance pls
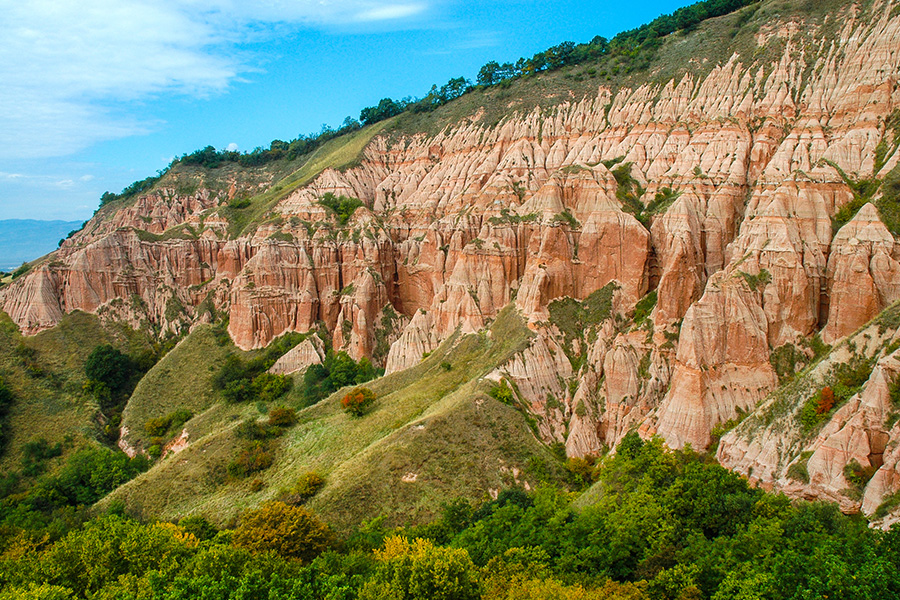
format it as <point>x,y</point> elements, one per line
<point>742,166</point>
<point>305,354</point>
<point>862,274</point>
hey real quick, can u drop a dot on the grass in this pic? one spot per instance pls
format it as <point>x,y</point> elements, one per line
<point>575,319</point>
<point>182,379</point>
<point>338,153</point>
<point>46,373</point>
<point>429,420</point>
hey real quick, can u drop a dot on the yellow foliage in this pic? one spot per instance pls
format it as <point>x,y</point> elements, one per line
<point>25,544</point>
<point>291,531</point>
<point>417,569</point>
<point>398,546</point>
<point>186,538</point>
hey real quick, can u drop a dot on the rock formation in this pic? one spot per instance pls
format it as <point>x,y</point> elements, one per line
<point>735,169</point>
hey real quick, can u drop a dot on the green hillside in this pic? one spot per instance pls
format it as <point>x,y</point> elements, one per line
<point>433,421</point>
<point>46,375</point>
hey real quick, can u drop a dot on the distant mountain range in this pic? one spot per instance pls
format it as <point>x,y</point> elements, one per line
<point>23,240</point>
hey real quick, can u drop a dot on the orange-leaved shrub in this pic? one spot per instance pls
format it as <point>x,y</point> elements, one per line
<point>358,400</point>
<point>826,401</point>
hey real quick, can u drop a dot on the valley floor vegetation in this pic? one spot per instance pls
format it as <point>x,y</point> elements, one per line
<point>656,524</point>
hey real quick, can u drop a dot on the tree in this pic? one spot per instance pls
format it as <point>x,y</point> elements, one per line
<point>826,401</point>
<point>109,366</point>
<point>488,74</point>
<point>417,570</point>
<point>290,531</point>
<point>385,109</point>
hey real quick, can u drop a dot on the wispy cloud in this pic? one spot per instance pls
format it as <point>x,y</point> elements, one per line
<point>69,68</point>
<point>390,12</point>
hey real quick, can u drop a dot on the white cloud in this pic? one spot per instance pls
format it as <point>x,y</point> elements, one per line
<point>67,66</point>
<point>232,147</point>
<point>391,11</point>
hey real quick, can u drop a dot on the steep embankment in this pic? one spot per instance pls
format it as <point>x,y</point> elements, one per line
<point>674,239</point>
<point>432,434</point>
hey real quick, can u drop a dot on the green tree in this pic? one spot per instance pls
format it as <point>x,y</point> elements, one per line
<point>290,531</point>
<point>418,570</point>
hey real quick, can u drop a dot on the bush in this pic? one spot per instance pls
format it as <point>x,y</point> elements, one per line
<point>282,417</point>
<point>857,475</point>
<point>199,527</point>
<point>90,474</point>
<point>357,401</point>
<point>826,401</point>
<point>268,387</point>
<point>342,206</point>
<point>308,486</point>
<point>6,401</point>
<point>160,426</point>
<point>503,393</point>
<point>582,470</point>
<point>21,270</point>
<point>36,453</point>
<point>254,457</point>
<point>109,366</point>
<point>290,531</point>
<point>251,429</point>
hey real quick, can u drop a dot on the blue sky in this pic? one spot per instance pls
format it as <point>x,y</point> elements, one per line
<point>99,93</point>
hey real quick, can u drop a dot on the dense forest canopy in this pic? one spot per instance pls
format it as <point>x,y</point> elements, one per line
<point>657,525</point>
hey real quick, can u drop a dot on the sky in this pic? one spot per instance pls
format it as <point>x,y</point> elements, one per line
<point>96,94</point>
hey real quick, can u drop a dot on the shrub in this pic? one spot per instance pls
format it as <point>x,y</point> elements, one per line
<point>251,429</point>
<point>290,531</point>
<point>160,426</point>
<point>342,206</point>
<point>109,366</point>
<point>582,470</point>
<point>255,456</point>
<point>799,470</point>
<point>357,401</point>
<point>268,387</point>
<point>199,527</point>
<point>826,401</point>
<point>157,427</point>
<point>21,270</point>
<point>857,475</point>
<point>502,393</point>
<point>36,453</point>
<point>90,474</point>
<point>308,486</point>
<point>282,417</point>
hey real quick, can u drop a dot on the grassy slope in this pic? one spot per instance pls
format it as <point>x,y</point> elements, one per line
<point>51,405</point>
<point>429,420</point>
<point>182,379</point>
<point>335,154</point>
